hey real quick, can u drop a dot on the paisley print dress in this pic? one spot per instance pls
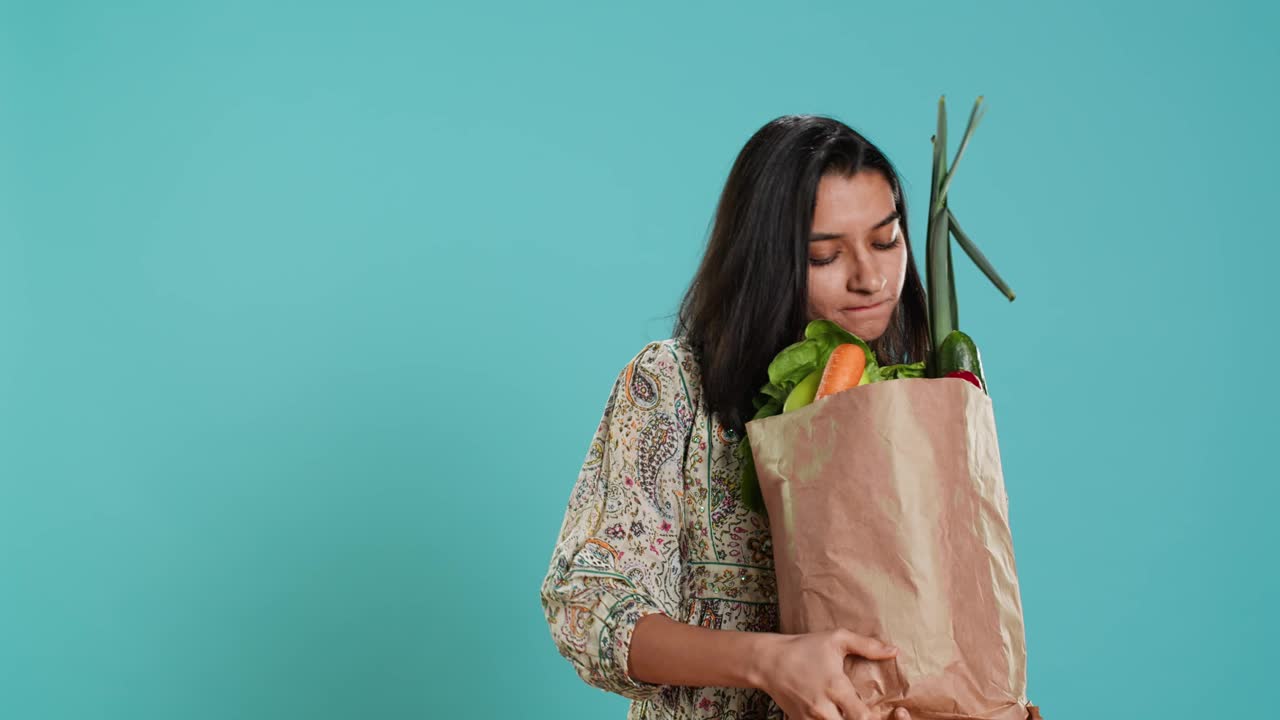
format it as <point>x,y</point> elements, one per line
<point>654,525</point>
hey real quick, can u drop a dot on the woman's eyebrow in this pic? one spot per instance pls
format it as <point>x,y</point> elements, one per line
<point>832,236</point>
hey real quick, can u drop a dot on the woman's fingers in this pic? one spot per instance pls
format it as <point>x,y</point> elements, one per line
<point>851,706</point>
<point>901,714</point>
<point>856,644</point>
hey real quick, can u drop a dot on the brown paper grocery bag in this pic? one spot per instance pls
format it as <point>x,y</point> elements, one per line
<point>889,517</point>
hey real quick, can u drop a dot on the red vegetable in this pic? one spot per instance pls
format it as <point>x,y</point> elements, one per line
<point>965,375</point>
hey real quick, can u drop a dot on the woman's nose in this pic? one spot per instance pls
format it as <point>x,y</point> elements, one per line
<point>866,278</point>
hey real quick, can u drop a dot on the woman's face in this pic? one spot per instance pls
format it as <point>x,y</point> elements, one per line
<point>857,254</point>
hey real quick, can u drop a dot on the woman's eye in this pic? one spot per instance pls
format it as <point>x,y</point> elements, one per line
<point>822,261</point>
<point>888,246</point>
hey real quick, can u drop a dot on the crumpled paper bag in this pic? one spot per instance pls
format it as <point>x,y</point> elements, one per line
<point>889,518</point>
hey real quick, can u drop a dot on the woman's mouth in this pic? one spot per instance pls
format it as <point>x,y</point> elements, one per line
<point>865,307</point>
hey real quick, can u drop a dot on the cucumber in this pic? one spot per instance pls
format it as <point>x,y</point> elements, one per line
<point>958,352</point>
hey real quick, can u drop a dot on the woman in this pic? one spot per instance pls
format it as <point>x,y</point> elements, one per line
<point>661,586</point>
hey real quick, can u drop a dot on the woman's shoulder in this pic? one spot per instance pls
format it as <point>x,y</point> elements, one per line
<point>673,357</point>
<point>663,371</point>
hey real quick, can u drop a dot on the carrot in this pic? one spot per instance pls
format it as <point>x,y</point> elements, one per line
<point>843,371</point>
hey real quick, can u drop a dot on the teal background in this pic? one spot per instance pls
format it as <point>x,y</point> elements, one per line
<point>308,312</point>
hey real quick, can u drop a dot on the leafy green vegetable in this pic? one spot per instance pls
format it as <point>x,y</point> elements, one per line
<point>940,280</point>
<point>897,372</point>
<point>978,258</point>
<point>975,116</point>
<point>794,362</point>
<point>749,488</point>
<point>770,407</point>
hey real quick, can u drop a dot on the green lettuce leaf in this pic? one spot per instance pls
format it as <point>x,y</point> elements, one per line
<point>749,484</point>
<point>794,362</point>
<point>896,372</point>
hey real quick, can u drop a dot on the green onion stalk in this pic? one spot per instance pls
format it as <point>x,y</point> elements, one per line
<point>940,281</point>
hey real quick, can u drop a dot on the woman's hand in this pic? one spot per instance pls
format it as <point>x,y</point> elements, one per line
<point>804,674</point>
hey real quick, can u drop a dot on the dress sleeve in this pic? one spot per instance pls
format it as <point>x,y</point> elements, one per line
<point>618,556</point>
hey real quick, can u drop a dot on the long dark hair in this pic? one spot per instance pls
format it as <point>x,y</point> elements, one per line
<point>749,296</point>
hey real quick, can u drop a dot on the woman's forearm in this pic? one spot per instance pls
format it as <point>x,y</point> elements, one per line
<point>667,652</point>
